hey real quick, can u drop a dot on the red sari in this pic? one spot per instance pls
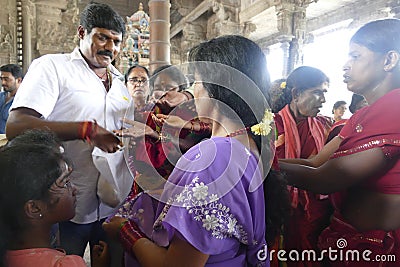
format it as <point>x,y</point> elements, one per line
<point>373,126</point>
<point>310,212</point>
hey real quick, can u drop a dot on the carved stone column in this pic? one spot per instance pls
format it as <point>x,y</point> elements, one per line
<point>176,51</point>
<point>285,46</point>
<point>225,19</point>
<point>284,12</point>
<point>292,23</point>
<point>299,32</point>
<point>159,11</point>
<point>8,33</point>
<point>27,17</point>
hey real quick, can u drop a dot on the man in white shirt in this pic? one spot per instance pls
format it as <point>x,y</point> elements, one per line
<point>81,98</point>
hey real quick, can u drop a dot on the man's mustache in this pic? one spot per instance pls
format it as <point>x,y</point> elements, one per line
<point>105,53</point>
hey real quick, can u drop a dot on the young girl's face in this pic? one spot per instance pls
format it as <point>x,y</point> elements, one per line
<point>62,196</point>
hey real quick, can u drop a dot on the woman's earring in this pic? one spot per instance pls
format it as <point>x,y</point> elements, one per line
<point>40,215</point>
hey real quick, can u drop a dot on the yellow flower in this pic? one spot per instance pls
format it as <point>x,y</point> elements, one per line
<point>283,85</point>
<point>264,127</point>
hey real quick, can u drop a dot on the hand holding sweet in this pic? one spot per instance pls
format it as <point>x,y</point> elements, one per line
<point>105,140</point>
<point>94,134</point>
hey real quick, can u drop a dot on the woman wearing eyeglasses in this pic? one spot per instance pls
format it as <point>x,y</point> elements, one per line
<point>137,82</point>
<point>157,148</point>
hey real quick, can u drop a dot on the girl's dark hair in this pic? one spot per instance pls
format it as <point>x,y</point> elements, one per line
<point>173,72</point>
<point>134,67</point>
<point>248,101</point>
<point>96,15</point>
<point>379,36</point>
<point>302,78</point>
<point>27,172</point>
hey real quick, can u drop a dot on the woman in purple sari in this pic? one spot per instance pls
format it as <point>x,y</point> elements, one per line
<point>214,210</point>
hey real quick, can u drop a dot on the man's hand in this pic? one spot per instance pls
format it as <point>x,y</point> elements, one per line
<point>105,140</point>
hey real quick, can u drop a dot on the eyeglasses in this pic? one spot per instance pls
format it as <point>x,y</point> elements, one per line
<point>134,81</point>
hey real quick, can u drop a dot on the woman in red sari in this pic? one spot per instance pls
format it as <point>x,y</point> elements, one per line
<point>301,134</point>
<point>365,168</point>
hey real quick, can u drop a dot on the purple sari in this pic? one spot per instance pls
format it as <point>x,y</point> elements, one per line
<point>214,199</point>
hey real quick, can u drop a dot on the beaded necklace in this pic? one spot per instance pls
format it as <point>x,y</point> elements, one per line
<point>238,132</point>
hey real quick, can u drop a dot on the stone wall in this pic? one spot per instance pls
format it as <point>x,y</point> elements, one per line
<point>31,28</point>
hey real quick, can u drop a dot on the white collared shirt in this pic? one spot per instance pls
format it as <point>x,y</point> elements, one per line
<point>62,87</point>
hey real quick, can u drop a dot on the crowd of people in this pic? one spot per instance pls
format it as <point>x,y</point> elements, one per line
<point>224,167</point>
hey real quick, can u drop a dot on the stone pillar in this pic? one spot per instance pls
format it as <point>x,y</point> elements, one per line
<point>292,26</point>
<point>27,34</point>
<point>299,32</point>
<point>159,11</point>
<point>284,12</point>
<point>8,32</point>
<point>285,45</point>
